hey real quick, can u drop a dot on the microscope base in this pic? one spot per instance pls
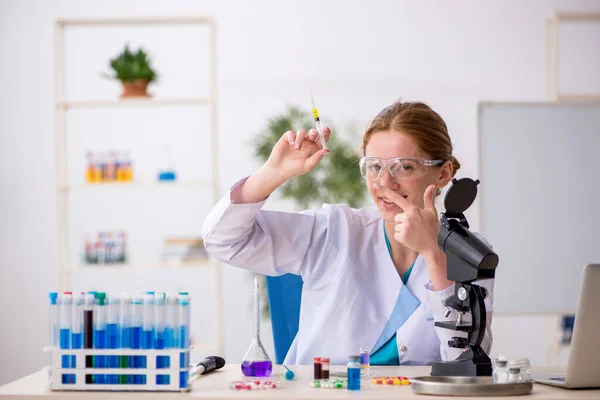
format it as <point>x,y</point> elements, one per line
<point>473,362</point>
<point>460,368</point>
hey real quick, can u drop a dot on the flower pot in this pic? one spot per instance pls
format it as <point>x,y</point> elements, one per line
<point>137,88</point>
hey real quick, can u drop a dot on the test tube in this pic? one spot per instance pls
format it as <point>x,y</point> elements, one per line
<point>112,335</point>
<point>100,334</point>
<point>159,320</point>
<point>147,327</point>
<point>53,331</point>
<point>183,320</point>
<point>125,323</point>
<point>88,331</point>
<point>148,321</point>
<point>171,323</point>
<point>183,333</point>
<point>54,322</point>
<point>159,335</point>
<point>77,326</point>
<point>66,310</point>
<point>136,332</point>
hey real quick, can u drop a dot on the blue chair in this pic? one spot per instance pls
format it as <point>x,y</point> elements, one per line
<point>284,293</point>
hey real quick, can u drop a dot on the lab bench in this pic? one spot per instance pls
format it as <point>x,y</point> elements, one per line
<point>215,385</point>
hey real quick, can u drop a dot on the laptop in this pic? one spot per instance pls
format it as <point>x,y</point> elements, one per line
<point>583,367</point>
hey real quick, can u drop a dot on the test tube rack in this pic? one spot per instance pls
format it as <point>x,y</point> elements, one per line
<point>74,377</point>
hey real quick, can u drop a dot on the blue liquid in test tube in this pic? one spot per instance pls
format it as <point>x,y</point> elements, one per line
<point>112,334</point>
<point>125,323</point>
<point>183,334</point>
<point>159,335</point>
<point>147,327</point>
<point>136,333</point>
<point>66,310</point>
<point>171,323</point>
<point>77,329</point>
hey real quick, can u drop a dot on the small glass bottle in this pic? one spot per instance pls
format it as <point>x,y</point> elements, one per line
<point>317,367</point>
<point>167,170</point>
<point>127,167</point>
<point>524,367</point>
<point>364,358</point>
<point>325,368</point>
<point>89,170</point>
<point>354,373</point>
<point>500,373</point>
<point>514,375</point>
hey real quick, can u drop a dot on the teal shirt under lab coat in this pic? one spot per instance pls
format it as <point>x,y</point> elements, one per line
<point>388,353</point>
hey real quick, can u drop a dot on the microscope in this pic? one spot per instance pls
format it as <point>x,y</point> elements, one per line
<point>469,259</point>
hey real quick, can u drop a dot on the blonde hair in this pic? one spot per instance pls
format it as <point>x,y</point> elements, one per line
<point>421,123</point>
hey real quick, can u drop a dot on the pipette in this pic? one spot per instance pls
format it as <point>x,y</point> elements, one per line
<point>315,113</point>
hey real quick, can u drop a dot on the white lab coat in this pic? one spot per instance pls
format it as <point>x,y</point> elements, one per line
<point>350,283</point>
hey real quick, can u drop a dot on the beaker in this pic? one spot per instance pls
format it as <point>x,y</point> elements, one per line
<point>256,361</point>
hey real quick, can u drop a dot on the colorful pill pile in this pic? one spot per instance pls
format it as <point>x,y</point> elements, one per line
<point>329,383</point>
<point>390,380</point>
<point>252,385</point>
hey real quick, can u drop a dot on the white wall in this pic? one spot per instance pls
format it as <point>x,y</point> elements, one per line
<point>358,58</point>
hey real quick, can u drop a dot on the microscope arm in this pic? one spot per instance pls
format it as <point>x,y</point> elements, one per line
<point>480,323</point>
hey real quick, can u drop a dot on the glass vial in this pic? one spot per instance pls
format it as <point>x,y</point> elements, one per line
<point>325,368</point>
<point>354,373</point>
<point>500,374</point>
<point>523,365</point>
<point>317,367</point>
<point>514,375</point>
<point>365,361</point>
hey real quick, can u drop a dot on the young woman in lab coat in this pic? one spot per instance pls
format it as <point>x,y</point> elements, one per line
<point>373,278</point>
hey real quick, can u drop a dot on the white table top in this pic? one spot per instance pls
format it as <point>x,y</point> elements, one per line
<point>216,386</point>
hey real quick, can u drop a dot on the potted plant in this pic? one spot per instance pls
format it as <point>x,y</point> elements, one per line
<point>135,72</point>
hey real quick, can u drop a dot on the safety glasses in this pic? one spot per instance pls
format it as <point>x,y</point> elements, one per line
<point>399,168</point>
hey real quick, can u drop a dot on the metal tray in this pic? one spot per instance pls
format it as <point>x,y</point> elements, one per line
<point>467,386</point>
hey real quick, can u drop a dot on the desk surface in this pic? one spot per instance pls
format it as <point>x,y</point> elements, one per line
<point>216,386</point>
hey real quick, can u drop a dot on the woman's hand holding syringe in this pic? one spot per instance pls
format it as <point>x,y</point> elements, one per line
<point>294,154</point>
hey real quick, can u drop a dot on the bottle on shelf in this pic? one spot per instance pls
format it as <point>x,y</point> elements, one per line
<point>112,166</point>
<point>166,172</point>
<point>90,171</point>
<point>127,167</point>
<point>105,248</point>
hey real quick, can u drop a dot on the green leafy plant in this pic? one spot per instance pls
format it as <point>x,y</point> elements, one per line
<point>336,179</point>
<point>129,66</point>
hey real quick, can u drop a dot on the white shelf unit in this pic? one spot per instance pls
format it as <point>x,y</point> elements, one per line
<point>135,103</point>
<point>137,185</point>
<point>62,106</point>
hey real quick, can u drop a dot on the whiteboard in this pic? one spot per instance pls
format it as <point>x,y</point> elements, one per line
<point>540,200</point>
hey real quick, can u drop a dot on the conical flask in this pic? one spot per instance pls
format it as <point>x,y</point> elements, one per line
<point>256,361</point>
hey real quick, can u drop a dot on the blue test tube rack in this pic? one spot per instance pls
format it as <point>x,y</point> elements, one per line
<point>156,377</point>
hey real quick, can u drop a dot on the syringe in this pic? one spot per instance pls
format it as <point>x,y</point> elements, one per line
<point>315,113</point>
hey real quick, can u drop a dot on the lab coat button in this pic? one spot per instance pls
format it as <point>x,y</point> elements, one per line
<point>403,349</point>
